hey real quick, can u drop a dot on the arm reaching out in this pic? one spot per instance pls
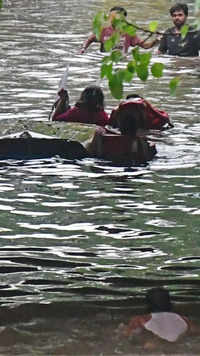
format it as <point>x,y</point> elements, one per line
<point>92,38</point>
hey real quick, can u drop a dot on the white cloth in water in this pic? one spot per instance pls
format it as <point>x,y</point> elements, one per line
<point>168,326</point>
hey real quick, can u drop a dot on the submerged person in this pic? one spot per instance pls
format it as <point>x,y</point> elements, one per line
<point>126,142</point>
<point>172,42</point>
<point>160,320</point>
<point>155,119</point>
<point>89,109</point>
<point>125,41</point>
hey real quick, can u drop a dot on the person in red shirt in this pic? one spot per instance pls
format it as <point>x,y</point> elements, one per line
<point>126,143</point>
<point>89,109</point>
<point>126,40</point>
<point>160,320</point>
<point>156,119</point>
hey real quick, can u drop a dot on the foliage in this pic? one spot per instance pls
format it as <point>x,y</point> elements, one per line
<point>1,4</point>
<point>115,66</point>
<point>140,63</point>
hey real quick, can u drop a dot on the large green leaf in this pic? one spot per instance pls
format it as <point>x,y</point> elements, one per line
<point>136,54</point>
<point>145,58</point>
<point>1,3</point>
<point>98,23</point>
<point>173,85</point>
<point>106,59</point>
<point>157,70</point>
<point>106,70</point>
<point>116,86</point>
<point>111,42</point>
<point>142,72</point>
<point>128,76</point>
<point>131,66</point>
<point>153,26</point>
<point>116,56</point>
<point>129,29</point>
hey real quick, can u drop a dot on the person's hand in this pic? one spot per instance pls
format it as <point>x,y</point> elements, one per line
<point>63,94</point>
<point>82,51</point>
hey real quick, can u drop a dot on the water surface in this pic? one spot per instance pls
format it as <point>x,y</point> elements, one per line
<point>85,237</point>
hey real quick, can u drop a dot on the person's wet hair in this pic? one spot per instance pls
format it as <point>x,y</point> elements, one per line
<point>92,99</point>
<point>133,96</point>
<point>179,7</point>
<point>119,9</point>
<point>158,300</point>
<point>130,118</point>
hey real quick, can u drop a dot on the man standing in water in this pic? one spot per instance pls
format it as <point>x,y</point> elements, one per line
<point>172,42</point>
<point>126,40</point>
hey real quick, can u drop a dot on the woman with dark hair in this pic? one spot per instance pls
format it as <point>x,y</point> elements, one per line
<point>126,142</point>
<point>160,320</point>
<point>156,119</point>
<point>89,108</point>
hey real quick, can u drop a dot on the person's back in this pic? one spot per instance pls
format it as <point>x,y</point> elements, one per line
<point>125,143</point>
<point>155,118</point>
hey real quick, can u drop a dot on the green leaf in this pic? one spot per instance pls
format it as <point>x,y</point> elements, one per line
<point>106,70</point>
<point>142,72</point>
<point>116,56</point>
<point>184,30</point>
<point>136,54</point>
<point>111,42</point>
<point>120,74</point>
<point>128,76</point>
<point>98,24</point>
<point>157,70</point>
<point>116,86</point>
<point>145,58</point>
<point>131,66</point>
<point>129,29</point>
<point>1,3</point>
<point>117,24</point>
<point>153,26</point>
<point>106,59</point>
<point>173,85</point>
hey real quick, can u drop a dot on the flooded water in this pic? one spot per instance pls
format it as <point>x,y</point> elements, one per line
<point>82,241</point>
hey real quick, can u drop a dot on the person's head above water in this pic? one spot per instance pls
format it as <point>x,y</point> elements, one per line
<point>133,96</point>
<point>116,12</point>
<point>179,7</point>
<point>130,116</point>
<point>158,300</point>
<point>119,10</point>
<point>179,14</point>
<point>91,98</point>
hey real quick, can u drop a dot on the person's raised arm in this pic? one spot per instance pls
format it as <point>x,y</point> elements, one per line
<point>92,38</point>
<point>62,104</point>
<point>149,44</point>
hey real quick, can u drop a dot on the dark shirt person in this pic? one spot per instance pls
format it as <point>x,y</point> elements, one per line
<point>126,40</point>
<point>172,42</point>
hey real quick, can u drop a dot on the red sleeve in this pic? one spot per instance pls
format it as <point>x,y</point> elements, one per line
<point>103,119</point>
<point>70,115</point>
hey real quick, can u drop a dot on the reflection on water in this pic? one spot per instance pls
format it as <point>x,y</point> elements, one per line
<point>84,231</point>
